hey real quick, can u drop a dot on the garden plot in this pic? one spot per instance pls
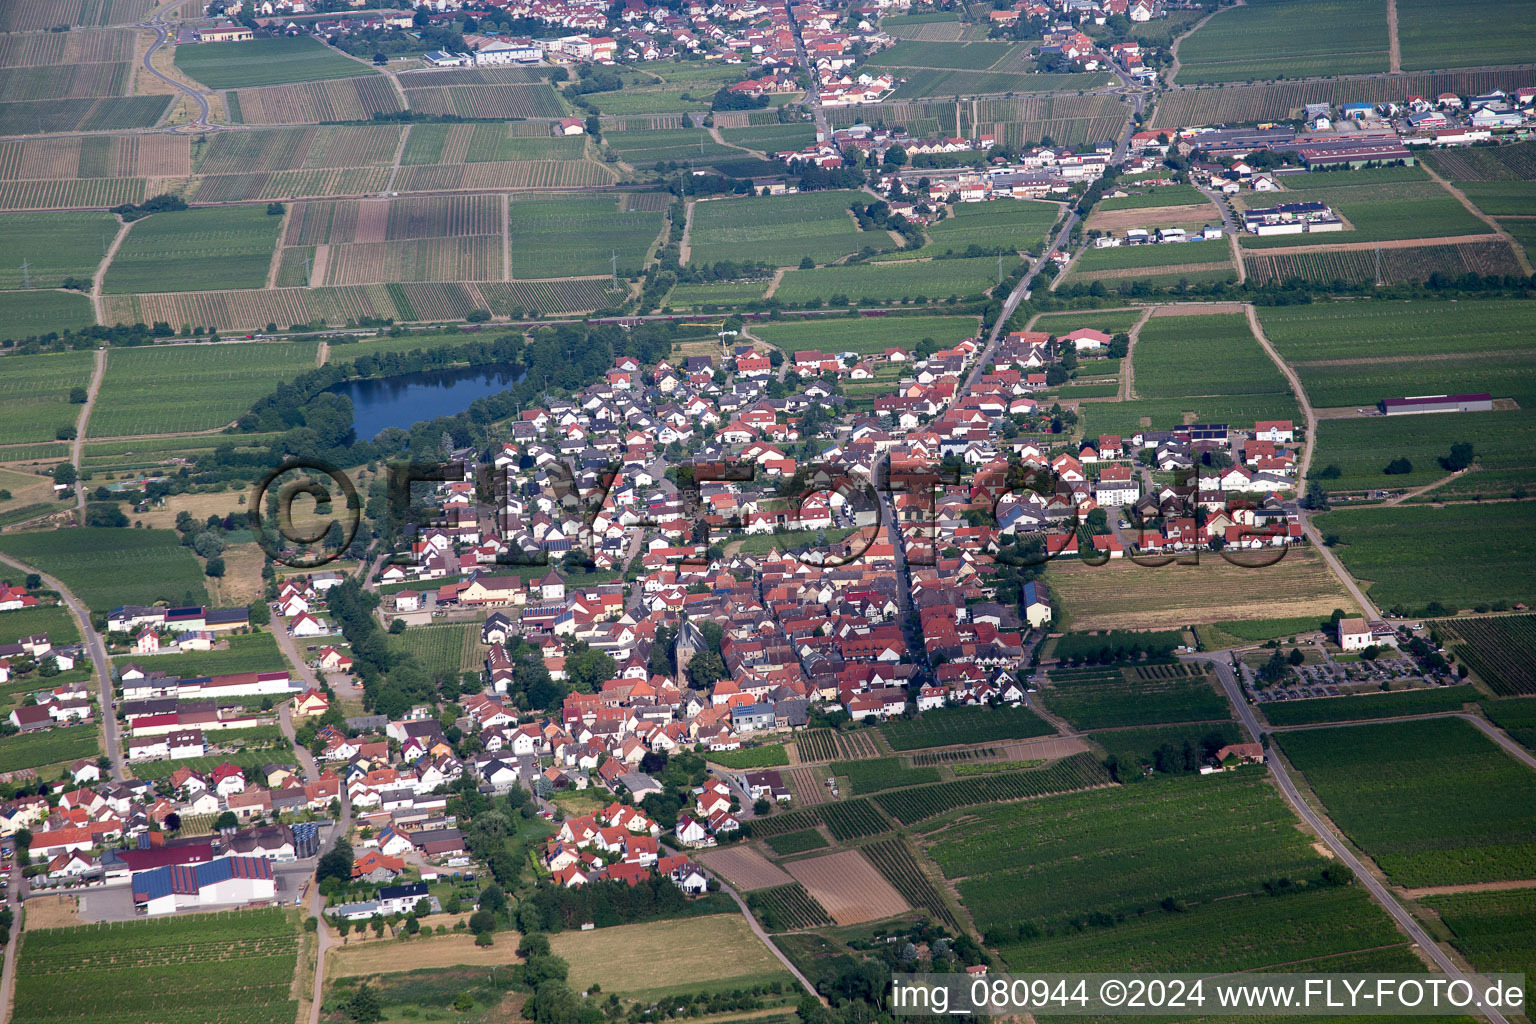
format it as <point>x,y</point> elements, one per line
<point>849,887</point>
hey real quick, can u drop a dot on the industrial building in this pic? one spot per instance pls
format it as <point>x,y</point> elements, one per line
<point>227,881</point>
<point>1437,403</point>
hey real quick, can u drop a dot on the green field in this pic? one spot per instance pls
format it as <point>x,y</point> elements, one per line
<point>1501,649</point>
<point>572,237</point>
<point>1177,357</point>
<point>867,335</point>
<point>893,281</point>
<point>1165,413</point>
<point>1495,931</point>
<point>265,62</point>
<point>54,620</point>
<point>1516,716</point>
<point>674,145</point>
<point>1021,226</point>
<point>947,726</point>
<point>1361,448</point>
<point>683,86</point>
<point>876,773</point>
<point>1460,555</point>
<point>234,967</point>
<point>1434,802</point>
<point>729,293</point>
<point>1101,698</point>
<point>110,567</point>
<point>1093,868</point>
<point>1287,39</point>
<point>191,387</point>
<point>441,650</point>
<point>1152,198</point>
<point>54,245</point>
<point>253,652</point>
<point>29,314</point>
<point>1464,33</point>
<point>1379,205</point>
<point>1113,322</point>
<point>779,230</point>
<point>1354,330</point>
<point>211,247</point>
<point>770,756</point>
<point>1165,744</point>
<point>797,842</point>
<point>1369,705</point>
<point>772,138</point>
<point>51,746</point>
<point>1136,257</point>
<point>910,53</point>
<point>34,392</point>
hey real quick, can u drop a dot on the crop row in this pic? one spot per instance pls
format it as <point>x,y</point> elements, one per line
<point>947,726</point>
<point>63,194</point>
<point>344,99</point>
<point>1502,651</point>
<point>1385,266</point>
<point>895,862</point>
<point>787,908</point>
<point>908,806</point>
<point>504,174</point>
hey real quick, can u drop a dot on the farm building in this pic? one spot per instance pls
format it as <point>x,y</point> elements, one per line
<point>225,32</point>
<point>1291,219</point>
<point>1437,403</point>
<point>226,881</point>
<point>1336,155</point>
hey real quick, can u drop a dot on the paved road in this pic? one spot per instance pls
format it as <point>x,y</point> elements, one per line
<point>761,935</point>
<point>813,94</point>
<point>8,975</point>
<point>1378,891</point>
<point>162,36</point>
<point>81,423</point>
<point>99,661</point>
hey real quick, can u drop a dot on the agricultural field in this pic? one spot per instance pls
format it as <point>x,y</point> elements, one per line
<point>848,886</point>
<point>893,281</point>
<point>772,138</point>
<point>772,755</point>
<point>874,774</point>
<point>622,958</point>
<point>1154,265</point>
<point>574,236</point>
<point>265,62</point>
<point>1516,716</point>
<point>1369,705</point>
<point>1501,650</point>
<point>1100,698</point>
<point>68,115</point>
<point>1116,853</point>
<point>1464,33</point>
<point>665,87</point>
<point>1383,204</point>
<point>867,335</point>
<point>803,841</point>
<point>834,745</point>
<point>1367,382</point>
<point>779,230</point>
<point>49,747</point>
<point>1166,746</point>
<point>1178,357</point>
<point>337,99</point>
<point>250,153</point>
<point>744,867</point>
<point>1410,265</point>
<point>34,393</point>
<point>55,620</point>
<point>646,147</point>
<point>1124,595</point>
<point>1250,104</point>
<point>1403,556</point>
<point>730,293</point>
<point>1151,198</point>
<point>252,652</point>
<point>196,249</point>
<point>1115,321</point>
<point>191,387</point>
<point>895,861</point>
<point>1495,931</point>
<point>63,194</point>
<point>499,101</point>
<point>108,567</point>
<point>1021,226</point>
<point>964,725</point>
<point>54,245</point>
<point>1497,163</point>
<point>1433,802</point>
<point>1287,39</point>
<point>946,56</point>
<point>787,908</point>
<point>908,806</point>
<point>236,967</point>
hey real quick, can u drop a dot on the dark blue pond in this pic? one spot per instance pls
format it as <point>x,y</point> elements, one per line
<point>406,399</point>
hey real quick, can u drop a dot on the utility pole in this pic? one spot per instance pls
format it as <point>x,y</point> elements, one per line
<point>613,262</point>
<point>26,274</point>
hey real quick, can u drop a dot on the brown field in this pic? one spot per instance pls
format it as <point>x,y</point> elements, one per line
<point>1135,272</point>
<point>745,868</point>
<point>1194,215</point>
<point>810,786</point>
<point>849,887</point>
<point>241,583</point>
<point>383,956</point>
<point>1123,595</point>
<point>58,911</point>
<point>623,959</point>
<point>1199,309</point>
<point>25,488</point>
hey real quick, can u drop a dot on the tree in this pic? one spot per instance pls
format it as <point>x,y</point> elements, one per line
<point>64,474</point>
<point>215,568</point>
<point>806,263</point>
<point>364,1006</point>
<point>276,209</point>
<point>336,863</point>
<point>706,669</point>
<point>1460,457</point>
<point>1296,657</point>
<point>422,18</point>
<point>492,898</point>
<point>261,615</point>
<point>482,921</point>
<point>34,581</point>
<point>380,59</point>
<point>478,316</point>
<point>590,668</point>
<point>1398,466</point>
<point>229,820</point>
<point>77,396</point>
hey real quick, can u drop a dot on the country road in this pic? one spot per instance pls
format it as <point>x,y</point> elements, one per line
<point>99,661</point>
<point>77,449</point>
<point>162,37</point>
<point>762,937</point>
<point>1377,890</point>
<point>1305,463</point>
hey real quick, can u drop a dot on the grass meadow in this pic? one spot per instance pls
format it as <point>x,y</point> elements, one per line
<point>779,230</point>
<point>34,393</point>
<point>867,335</point>
<point>265,62</point>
